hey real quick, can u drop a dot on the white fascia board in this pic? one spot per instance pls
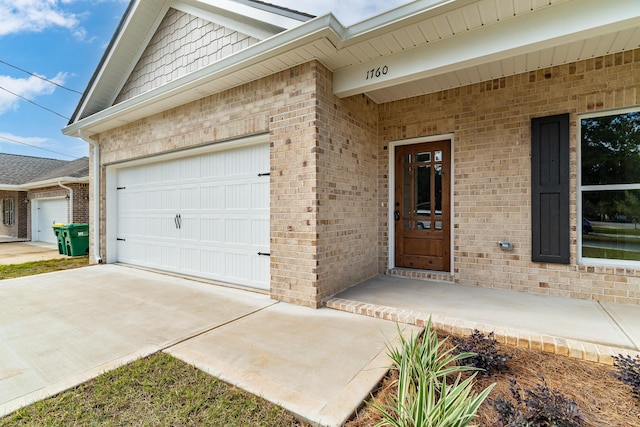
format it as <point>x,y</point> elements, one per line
<point>212,15</point>
<point>54,181</point>
<point>551,26</point>
<point>324,27</point>
<point>258,14</point>
<point>120,44</point>
<point>401,15</point>
<point>45,183</point>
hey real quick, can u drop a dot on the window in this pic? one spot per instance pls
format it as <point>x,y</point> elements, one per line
<point>8,210</point>
<point>609,188</point>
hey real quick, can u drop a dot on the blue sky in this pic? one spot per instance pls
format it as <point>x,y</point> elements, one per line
<point>63,41</point>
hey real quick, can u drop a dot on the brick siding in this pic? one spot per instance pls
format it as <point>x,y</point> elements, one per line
<point>329,172</point>
<point>492,171</point>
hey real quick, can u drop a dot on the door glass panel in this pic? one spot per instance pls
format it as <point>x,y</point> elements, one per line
<point>423,225</point>
<point>423,157</point>
<point>422,187</point>
<point>406,191</point>
<point>407,225</point>
<point>438,156</point>
<point>438,189</point>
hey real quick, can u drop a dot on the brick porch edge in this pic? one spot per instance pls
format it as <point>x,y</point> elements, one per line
<point>524,339</point>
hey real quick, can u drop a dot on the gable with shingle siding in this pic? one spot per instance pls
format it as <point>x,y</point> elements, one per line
<point>183,43</point>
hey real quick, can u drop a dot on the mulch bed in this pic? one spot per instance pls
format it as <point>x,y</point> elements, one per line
<point>602,399</point>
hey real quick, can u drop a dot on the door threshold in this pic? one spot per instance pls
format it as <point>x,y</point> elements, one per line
<point>413,273</point>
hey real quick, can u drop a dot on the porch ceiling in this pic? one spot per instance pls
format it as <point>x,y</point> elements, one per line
<point>464,42</point>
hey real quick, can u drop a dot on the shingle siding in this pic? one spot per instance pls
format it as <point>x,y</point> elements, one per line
<point>182,43</point>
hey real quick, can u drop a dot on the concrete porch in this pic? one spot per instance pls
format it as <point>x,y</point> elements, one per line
<point>585,329</point>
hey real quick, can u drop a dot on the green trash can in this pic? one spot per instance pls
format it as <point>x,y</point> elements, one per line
<point>76,238</point>
<point>57,230</point>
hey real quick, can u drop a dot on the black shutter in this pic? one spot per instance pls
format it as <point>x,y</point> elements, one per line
<point>550,189</point>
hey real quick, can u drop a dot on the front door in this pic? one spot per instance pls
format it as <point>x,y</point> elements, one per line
<point>422,206</point>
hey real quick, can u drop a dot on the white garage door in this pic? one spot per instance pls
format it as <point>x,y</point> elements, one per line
<point>205,215</point>
<point>46,213</point>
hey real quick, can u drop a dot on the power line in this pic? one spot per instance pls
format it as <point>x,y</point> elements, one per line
<point>40,77</point>
<point>35,146</point>
<point>34,103</point>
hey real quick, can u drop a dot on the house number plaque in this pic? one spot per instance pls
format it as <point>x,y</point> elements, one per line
<point>375,73</point>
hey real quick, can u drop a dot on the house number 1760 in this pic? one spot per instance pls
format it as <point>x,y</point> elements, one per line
<point>377,72</point>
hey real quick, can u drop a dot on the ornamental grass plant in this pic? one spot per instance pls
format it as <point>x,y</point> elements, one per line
<point>430,389</point>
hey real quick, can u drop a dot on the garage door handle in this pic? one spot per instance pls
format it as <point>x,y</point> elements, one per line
<point>264,253</point>
<point>179,222</point>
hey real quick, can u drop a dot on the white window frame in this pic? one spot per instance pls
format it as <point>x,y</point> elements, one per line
<point>606,187</point>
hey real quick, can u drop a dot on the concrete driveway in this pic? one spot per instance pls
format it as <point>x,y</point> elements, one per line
<point>19,252</point>
<point>60,329</point>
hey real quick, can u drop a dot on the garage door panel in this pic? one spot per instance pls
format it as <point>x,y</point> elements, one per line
<point>190,168</point>
<point>212,230</point>
<point>260,195</point>
<point>190,199</point>
<point>224,215</point>
<point>260,232</point>
<point>152,200</point>
<point>212,197</point>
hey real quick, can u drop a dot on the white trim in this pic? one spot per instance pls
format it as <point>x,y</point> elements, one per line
<point>391,196</point>
<point>225,21</point>
<point>42,184</point>
<point>111,208</point>
<point>580,260</point>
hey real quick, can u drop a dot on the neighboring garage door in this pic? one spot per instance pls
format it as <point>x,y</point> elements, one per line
<point>47,212</point>
<point>204,215</point>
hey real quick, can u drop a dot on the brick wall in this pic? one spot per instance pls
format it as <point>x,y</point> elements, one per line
<point>347,194</point>
<point>329,172</point>
<point>492,171</point>
<point>284,106</point>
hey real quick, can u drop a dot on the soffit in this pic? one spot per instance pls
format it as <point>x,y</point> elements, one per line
<point>469,42</point>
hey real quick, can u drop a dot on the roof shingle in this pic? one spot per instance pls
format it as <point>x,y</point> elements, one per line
<point>19,170</point>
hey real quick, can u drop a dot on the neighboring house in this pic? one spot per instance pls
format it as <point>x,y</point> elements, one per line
<point>452,140</point>
<point>36,192</point>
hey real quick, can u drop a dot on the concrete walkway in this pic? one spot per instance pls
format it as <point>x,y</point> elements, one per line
<point>580,328</point>
<point>16,252</point>
<point>60,329</point>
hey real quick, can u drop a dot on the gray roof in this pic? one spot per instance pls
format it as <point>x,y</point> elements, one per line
<point>20,170</point>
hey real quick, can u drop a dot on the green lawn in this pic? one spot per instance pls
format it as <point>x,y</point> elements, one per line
<point>155,391</point>
<point>590,252</point>
<point>38,267</point>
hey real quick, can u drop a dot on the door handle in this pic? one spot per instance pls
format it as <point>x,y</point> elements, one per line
<point>179,222</point>
<point>396,215</point>
<point>175,221</point>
